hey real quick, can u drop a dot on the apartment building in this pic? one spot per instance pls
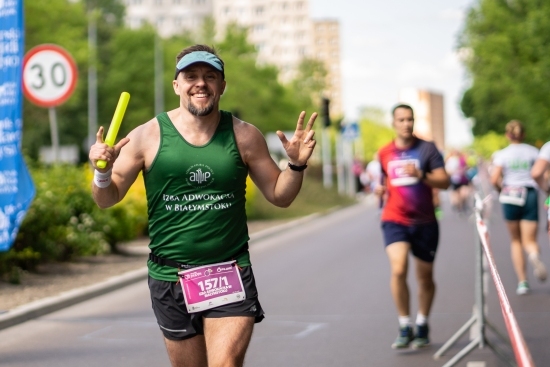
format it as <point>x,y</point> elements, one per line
<point>168,16</point>
<point>280,29</point>
<point>428,114</point>
<point>326,48</point>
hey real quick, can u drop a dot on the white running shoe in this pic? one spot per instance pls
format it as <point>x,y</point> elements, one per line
<point>538,266</point>
<point>523,288</point>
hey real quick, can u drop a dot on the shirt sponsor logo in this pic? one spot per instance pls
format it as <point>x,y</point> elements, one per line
<point>200,175</point>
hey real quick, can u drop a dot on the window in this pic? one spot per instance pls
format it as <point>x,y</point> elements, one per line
<point>258,28</point>
<point>260,46</point>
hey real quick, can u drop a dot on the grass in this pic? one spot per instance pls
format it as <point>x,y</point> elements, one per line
<point>313,198</point>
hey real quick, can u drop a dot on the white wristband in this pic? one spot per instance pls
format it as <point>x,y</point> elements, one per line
<point>102,180</point>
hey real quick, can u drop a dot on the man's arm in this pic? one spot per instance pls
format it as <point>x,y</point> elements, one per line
<point>438,179</point>
<point>279,187</point>
<point>122,174</point>
<point>538,172</point>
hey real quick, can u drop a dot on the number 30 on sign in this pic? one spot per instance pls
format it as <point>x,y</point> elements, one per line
<point>49,75</point>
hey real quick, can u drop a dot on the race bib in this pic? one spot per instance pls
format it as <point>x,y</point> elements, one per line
<point>396,175</point>
<point>514,195</point>
<point>209,286</point>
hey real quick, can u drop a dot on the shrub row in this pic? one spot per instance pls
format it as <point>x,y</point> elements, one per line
<point>64,222</point>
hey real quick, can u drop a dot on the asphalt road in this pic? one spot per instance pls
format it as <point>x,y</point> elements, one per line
<point>325,288</point>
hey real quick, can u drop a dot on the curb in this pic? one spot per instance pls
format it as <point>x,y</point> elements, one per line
<point>51,304</point>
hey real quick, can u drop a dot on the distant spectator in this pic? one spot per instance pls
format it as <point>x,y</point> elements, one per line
<point>374,172</point>
<point>456,167</point>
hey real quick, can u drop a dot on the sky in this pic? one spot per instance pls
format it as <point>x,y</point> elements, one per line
<point>393,44</point>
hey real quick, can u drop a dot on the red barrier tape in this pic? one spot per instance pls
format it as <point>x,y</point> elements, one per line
<point>521,352</point>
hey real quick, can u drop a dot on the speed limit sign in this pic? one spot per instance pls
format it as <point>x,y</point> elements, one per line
<point>49,75</point>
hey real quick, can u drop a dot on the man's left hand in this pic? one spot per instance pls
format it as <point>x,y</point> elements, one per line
<point>300,147</point>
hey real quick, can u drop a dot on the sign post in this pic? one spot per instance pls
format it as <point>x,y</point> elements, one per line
<point>350,132</point>
<point>49,79</point>
<point>16,186</point>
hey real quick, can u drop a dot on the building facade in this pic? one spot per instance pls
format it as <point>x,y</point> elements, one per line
<point>280,29</point>
<point>169,17</point>
<point>326,48</point>
<point>429,116</point>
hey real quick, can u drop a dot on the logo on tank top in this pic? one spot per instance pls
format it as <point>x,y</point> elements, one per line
<point>200,175</point>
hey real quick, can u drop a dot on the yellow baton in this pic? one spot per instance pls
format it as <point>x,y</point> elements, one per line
<point>115,124</point>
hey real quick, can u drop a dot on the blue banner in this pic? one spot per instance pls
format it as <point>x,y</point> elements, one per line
<point>16,186</point>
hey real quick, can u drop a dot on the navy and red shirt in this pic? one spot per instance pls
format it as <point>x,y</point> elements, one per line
<point>409,200</point>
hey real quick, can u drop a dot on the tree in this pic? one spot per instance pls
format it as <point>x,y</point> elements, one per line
<point>374,131</point>
<point>509,65</point>
<point>125,62</point>
<point>310,82</point>
<point>485,145</point>
<point>65,23</point>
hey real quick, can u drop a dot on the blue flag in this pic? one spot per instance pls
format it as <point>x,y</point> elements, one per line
<point>16,186</point>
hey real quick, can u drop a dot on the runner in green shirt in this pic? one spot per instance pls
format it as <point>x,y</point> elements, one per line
<point>195,160</point>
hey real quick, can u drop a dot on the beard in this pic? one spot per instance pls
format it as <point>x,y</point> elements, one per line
<point>194,110</point>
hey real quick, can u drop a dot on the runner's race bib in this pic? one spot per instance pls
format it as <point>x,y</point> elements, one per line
<point>396,175</point>
<point>514,195</point>
<point>209,286</point>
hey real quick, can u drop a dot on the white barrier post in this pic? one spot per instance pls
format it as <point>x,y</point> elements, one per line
<point>478,321</point>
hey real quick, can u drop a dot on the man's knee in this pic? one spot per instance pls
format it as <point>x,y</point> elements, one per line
<point>399,273</point>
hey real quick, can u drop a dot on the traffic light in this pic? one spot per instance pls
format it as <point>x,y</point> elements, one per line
<point>325,111</point>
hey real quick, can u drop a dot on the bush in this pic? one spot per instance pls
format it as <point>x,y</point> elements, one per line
<point>64,222</point>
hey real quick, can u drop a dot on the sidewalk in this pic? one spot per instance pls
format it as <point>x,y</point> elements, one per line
<point>258,230</point>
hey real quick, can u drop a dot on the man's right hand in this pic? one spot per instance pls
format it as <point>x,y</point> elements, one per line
<point>101,151</point>
<point>380,190</point>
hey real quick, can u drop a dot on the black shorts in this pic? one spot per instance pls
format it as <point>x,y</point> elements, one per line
<point>529,211</point>
<point>177,324</point>
<point>456,186</point>
<point>423,238</point>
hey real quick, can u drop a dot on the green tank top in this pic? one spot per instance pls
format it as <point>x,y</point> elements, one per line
<point>196,200</point>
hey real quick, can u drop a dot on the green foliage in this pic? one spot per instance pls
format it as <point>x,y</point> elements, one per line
<point>313,198</point>
<point>131,69</point>
<point>61,216</point>
<point>373,131</point>
<point>125,62</point>
<point>310,83</point>
<point>509,65</point>
<point>63,221</point>
<point>485,145</point>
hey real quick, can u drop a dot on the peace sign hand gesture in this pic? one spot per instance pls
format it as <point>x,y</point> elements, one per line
<point>300,147</point>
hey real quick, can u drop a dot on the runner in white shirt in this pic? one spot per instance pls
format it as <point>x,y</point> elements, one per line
<point>540,168</point>
<point>511,176</point>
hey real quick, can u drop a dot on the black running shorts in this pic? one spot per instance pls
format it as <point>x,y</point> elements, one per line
<point>177,324</point>
<point>423,238</point>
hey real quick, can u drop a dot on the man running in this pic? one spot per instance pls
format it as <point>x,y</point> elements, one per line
<point>412,168</point>
<point>195,160</point>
